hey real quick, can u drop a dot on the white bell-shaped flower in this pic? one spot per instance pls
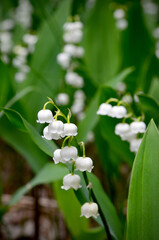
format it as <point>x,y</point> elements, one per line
<point>74,36</point>
<point>50,136</point>
<point>84,164</point>
<point>80,95</point>
<point>104,109</point>
<point>138,127</point>
<point>77,106</point>
<point>122,128</point>
<point>118,112</point>
<point>57,156</point>
<point>46,134</point>
<point>128,136</point>
<point>71,181</point>
<point>63,59</point>
<point>119,14</point>
<point>56,127</point>
<point>74,51</point>
<point>62,99</point>
<point>74,79</point>
<point>69,153</point>
<point>70,129</point>
<point>135,144</point>
<point>122,24</point>
<point>45,116</point>
<point>89,209</point>
<point>71,26</point>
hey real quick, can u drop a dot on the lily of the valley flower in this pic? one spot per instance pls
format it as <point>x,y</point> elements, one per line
<point>71,181</point>
<point>89,209</point>
<point>69,153</point>
<point>84,164</point>
<point>45,116</point>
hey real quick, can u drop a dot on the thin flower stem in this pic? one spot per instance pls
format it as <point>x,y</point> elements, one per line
<point>70,140</point>
<point>64,141</point>
<point>99,208</point>
<point>112,100</point>
<point>59,113</point>
<point>73,168</point>
<point>44,107</point>
<point>83,147</point>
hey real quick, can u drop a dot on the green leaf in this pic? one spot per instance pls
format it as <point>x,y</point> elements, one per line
<point>150,107</point>
<point>46,146</point>
<point>23,144</point>
<point>71,209</point>
<point>92,234</point>
<point>107,208</point>
<point>101,43</point>
<point>48,174</point>
<point>120,77</point>
<point>143,207</point>
<point>90,119</point>
<point>5,88</point>
<point>17,97</point>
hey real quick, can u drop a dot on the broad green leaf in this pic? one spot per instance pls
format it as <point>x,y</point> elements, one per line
<point>135,51</point>
<point>71,209</point>
<point>154,89</point>
<point>143,199</point>
<point>150,107</point>
<point>23,144</point>
<point>48,174</point>
<point>47,146</point>
<point>5,88</point>
<point>107,208</point>
<point>97,233</point>
<point>90,119</point>
<point>17,97</point>
<point>120,77</point>
<point>101,43</point>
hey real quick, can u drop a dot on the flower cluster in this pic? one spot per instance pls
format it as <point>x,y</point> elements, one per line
<point>121,21</point>
<point>21,53</point>
<point>21,16</point>
<point>68,59</point>
<point>6,41</point>
<point>68,153</point>
<point>130,132</point>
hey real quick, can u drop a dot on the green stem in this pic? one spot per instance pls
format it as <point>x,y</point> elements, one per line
<point>112,100</point>
<point>63,144</point>
<point>44,107</point>
<point>70,140</point>
<point>83,147</point>
<point>73,168</point>
<point>100,210</point>
<point>90,195</point>
<point>59,113</point>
